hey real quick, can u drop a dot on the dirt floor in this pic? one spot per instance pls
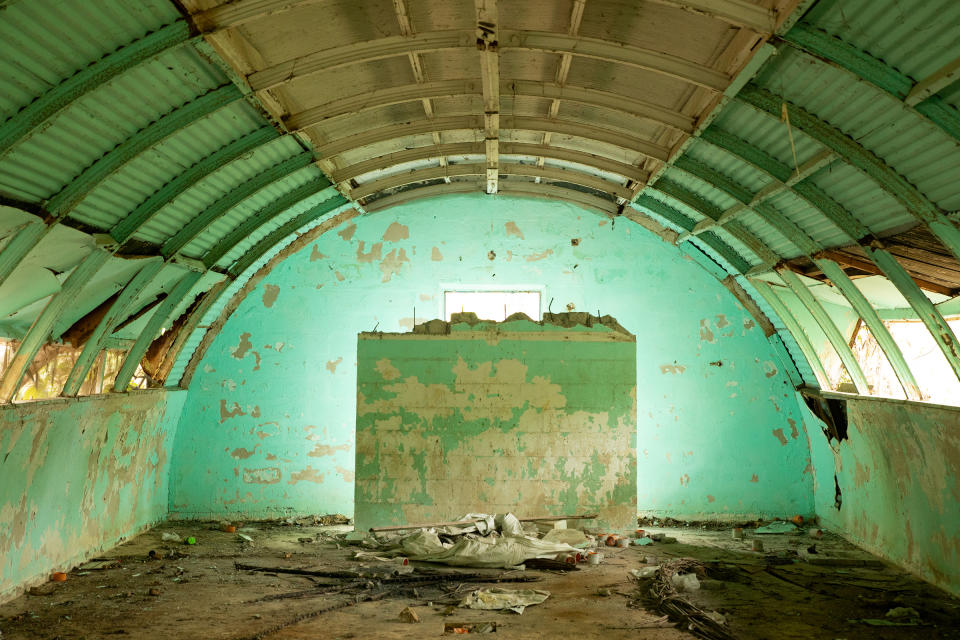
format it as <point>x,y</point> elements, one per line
<point>197,591</point>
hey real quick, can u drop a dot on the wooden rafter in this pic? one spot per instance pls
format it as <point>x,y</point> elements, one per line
<point>487,43</point>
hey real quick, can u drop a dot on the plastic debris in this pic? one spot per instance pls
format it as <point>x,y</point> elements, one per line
<point>171,537</point>
<point>409,615</point>
<point>572,537</point>
<point>685,582</point>
<point>497,599</point>
<point>642,542</point>
<point>644,572</point>
<point>778,526</point>
<point>244,537</point>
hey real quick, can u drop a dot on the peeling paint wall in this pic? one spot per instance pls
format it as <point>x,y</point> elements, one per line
<point>268,427</point>
<point>496,418</point>
<point>899,478</point>
<point>77,476</point>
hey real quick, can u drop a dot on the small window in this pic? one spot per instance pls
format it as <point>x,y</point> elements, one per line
<point>492,305</point>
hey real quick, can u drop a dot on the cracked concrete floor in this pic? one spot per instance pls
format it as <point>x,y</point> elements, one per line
<point>197,591</point>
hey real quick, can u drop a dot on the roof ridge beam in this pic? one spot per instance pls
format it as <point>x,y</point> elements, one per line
<point>488,44</point>
<point>22,124</point>
<point>738,13</point>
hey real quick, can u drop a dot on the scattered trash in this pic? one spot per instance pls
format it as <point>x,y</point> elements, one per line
<point>244,537</point>
<point>594,557</point>
<point>623,542</point>
<point>778,526</point>
<point>409,615</point>
<point>757,545</point>
<point>229,528</point>
<point>815,533</point>
<point>171,537</point>
<point>797,520</point>
<point>42,590</point>
<point>642,542</point>
<point>685,582</point>
<point>605,593</point>
<point>738,533</point>
<point>900,613</point>
<point>644,572</point>
<point>572,537</point>
<point>305,540</point>
<point>662,595</point>
<point>154,591</point>
<point>499,599</point>
<point>58,576</point>
<point>99,564</point>
<point>668,540</point>
<point>155,555</point>
<point>640,533</point>
<point>716,616</point>
<point>469,627</point>
<point>896,617</point>
<point>657,537</point>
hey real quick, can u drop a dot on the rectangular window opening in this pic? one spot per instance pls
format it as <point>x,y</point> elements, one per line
<point>488,304</point>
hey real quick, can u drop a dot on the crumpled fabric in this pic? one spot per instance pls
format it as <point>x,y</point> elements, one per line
<point>497,599</point>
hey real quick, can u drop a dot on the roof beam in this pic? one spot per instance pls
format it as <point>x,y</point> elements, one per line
<point>39,331</point>
<point>487,42</point>
<point>409,177</point>
<point>799,335</point>
<point>934,83</point>
<point>240,12</point>
<point>22,125</point>
<point>918,95</point>
<point>517,123</point>
<point>863,264</point>
<point>265,215</point>
<point>117,311</point>
<point>823,320</point>
<point>232,198</point>
<point>62,203</point>
<point>739,13</point>
<point>144,212</point>
<point>371,101</point>
<point>563,68</point>
<point>942,334</point>
<point>878,330</point>
<point>477,148</point>
<point>559,43</point>
<point>915,202</point>
<point>177,295</point>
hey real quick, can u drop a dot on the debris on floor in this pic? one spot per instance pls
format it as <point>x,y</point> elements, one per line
<point>510,599</point>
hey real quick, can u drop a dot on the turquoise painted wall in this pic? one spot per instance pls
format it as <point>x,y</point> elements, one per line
<point>78,476</point>
<point>268,427</point>
<point>899,478</point>
<point>515,417</point>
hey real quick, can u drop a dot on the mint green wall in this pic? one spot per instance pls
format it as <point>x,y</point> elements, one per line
<point>77,476</point>
<point>899,478</point>
<point>268,427</point>
<point>515,417</point>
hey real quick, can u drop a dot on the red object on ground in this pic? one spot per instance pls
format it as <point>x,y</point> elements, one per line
<point>58,576</point>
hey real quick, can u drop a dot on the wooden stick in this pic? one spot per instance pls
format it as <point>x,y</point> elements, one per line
<point>428,525</point>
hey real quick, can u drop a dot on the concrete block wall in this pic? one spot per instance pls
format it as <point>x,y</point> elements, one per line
<point>494,418</point>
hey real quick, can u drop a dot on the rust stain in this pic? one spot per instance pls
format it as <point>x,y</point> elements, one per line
<point>347,232</point>
<point>233,412</point>
<point>533,257</point>
<point>309,474</point>
<point>373,254</point>
<point>241,453</point>
<point>332,364</point>
<point>755,478</point>
<point>748,324</point>
<point>513,229</point>
<point>264,475</point>
<point>710,498</point>
<point>320,450</point>
<point>396,232</point>
<point>436,256</point>
<point>316,255</point>
<point>340,276</point>
<point>244,345</point>
<point>270,293</point>
<point>684,480</point>
<point>780,436</point>
<point>769,369</point>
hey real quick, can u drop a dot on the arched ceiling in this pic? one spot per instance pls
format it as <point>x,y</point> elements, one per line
<point>152,152</point>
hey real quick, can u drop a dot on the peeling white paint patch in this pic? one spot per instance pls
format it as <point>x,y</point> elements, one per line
<point>513,230</point>
<point>436,256</point>
<point>396,232</point>
<point>270,293</point>
<point>332,364</point>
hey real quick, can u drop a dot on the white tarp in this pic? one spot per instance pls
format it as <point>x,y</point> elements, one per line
<point>497,599</point>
